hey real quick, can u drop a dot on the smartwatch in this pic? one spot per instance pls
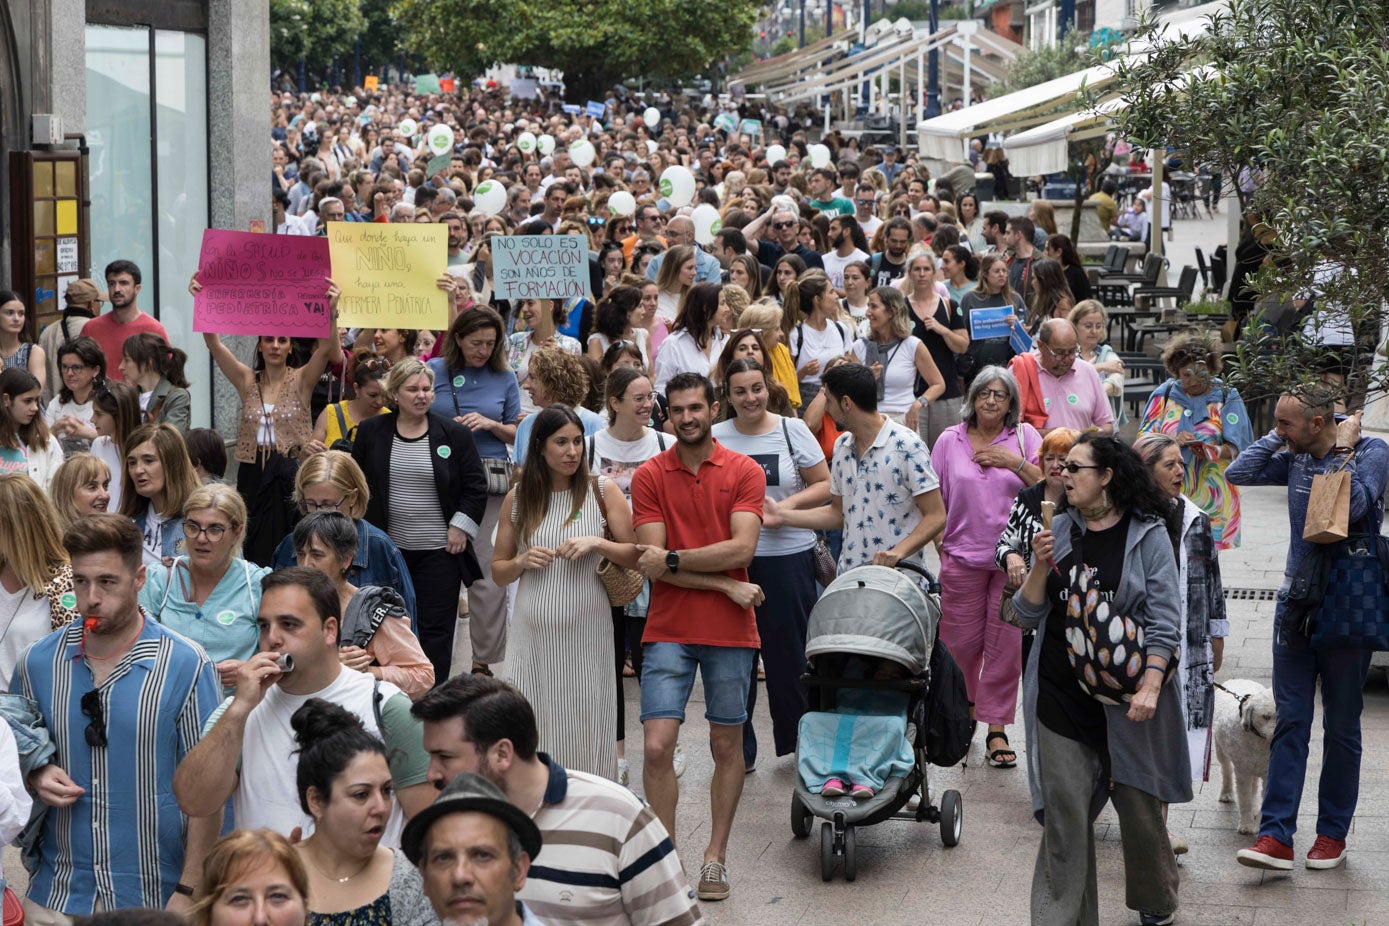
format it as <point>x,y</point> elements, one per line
<point>673,560</point>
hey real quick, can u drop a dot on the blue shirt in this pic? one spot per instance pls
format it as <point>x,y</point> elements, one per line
<point>490,393</point>
<point>121,842</point>
<point>376,562</point>
<point>593,423</point>
<point>707,267</point>
<point>1266,462</point>
<point>224,625</point>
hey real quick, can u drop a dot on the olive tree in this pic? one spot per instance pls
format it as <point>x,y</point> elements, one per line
<point>1286,99</point>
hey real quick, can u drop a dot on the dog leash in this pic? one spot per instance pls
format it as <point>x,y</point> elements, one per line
<point>1241,698</point>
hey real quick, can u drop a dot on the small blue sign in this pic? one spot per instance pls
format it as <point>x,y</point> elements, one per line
<point>596,110</point>
<point>572,108</point>
<point>990,323</point>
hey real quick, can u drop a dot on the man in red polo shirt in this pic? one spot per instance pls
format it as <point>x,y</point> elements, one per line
<point>697,509</point>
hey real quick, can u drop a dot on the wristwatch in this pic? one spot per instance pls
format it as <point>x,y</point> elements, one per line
<point>673,560</point>
<point>183,889</point>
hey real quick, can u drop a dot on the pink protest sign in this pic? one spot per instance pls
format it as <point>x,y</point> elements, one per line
<point>262,284</point>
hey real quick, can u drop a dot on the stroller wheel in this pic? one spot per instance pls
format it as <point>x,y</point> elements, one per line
<point>952,818</point>
<point>800,817</point>
<point>850,862</point>
<point>826,851</point>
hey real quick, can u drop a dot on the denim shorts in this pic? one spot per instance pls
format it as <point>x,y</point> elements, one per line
<point>668,675</point>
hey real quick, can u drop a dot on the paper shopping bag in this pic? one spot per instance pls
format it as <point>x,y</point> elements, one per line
<point>1328,508</point>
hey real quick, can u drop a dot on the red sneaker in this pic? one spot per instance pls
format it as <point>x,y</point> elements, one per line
<point>1268,853</point>
<point>1327,853</point>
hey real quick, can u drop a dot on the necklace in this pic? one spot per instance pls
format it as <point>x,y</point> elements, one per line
<point>354,874</point>
<point>1099,511</point>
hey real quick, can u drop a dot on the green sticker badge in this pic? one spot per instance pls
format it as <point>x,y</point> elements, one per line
<point>1073,399</point>
<point>458,381</point>
<point>1232,418</point>
<point>226,618</point>
<point>68,600</point>
<point>445,452</point>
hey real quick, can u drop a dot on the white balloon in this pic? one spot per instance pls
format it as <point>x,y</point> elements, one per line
<point>490,197</point>
<point>440,139</point>
<point>651,116</point>
<point>678,185</point>
<point>651,146</point>
<point>706,223</point>
<point>526,142</point>
<point>819,155</point>
<point>622,203</point>
<point>546,144</point>
<point>408,128</point>
<point>775,153</point>
<point>583,153</point>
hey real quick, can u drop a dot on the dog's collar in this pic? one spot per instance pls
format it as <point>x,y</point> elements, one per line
<point>1242,699</point>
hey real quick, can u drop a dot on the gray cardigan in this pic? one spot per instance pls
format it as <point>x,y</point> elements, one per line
<point>1150,756</point>
<point>409,906</point>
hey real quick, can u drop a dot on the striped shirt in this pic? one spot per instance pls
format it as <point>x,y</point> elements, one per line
<point>606,859</point>
<point>121,843</point>
<point>416,523</point>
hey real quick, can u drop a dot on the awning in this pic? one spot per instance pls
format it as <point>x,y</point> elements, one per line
<point>1045,149</point>
<point>947,137</point>
<point>988,57</point>
<point>793,62</point>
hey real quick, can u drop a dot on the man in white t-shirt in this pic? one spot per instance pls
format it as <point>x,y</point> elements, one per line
<point>865,209</point>
<point>847,245</point>
<point>248,751</point>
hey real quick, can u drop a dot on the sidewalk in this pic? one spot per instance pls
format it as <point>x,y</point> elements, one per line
<point>906,876</point>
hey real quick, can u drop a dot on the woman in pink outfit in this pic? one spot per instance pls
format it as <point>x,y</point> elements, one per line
<point>983,463</point>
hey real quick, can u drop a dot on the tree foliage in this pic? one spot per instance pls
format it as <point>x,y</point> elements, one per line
<point>1290,94</point>
<point>595,42</point>
<point>1032,67</point>
<point>315,31</point>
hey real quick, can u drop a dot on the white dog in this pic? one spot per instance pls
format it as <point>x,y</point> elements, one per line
<point>1245,716</point>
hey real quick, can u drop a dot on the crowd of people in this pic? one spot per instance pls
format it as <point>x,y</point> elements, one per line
<point>653,481</point>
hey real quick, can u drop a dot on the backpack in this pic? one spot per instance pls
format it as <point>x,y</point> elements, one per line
<point>800,341</point>
<point>948,730</point>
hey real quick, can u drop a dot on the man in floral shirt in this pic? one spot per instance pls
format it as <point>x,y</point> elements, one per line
<point>883,491</point>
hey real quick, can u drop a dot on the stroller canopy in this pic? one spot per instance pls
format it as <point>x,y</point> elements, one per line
<point>875,611</point>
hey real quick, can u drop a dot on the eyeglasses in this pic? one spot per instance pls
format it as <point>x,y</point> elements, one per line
<point>999,394</point>
<point>780,225</point>
<point>73,367</point>
<point>1074,468</point>
<point>864,202</point>
<point>312,506</point>
<point>213,532</point>
<point>1063,352</point>
<point>374,364</point>
<point>96,729</point>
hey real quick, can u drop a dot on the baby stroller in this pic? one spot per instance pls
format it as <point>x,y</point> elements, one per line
<point>890,618</point>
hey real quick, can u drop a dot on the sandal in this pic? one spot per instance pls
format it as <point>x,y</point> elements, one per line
<point>627,670</point>
<point>481,669</point>
<point>996,757</point>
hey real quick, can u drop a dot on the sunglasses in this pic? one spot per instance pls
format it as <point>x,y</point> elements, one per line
<point>864,202</point>
<point>1074,468</point>
<point>377,363</point>
<point>780,225</point>
<point>96,729</point>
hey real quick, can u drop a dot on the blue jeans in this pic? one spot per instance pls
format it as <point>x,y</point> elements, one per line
<point>1295,674</point>
<point>668,674</point>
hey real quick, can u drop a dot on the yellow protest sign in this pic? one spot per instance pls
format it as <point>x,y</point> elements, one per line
<point>369,83</point>
<point>387,274</point>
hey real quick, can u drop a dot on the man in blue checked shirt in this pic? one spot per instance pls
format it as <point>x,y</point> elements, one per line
<point>123,700</point>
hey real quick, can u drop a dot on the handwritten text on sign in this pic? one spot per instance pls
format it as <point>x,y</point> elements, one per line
<point>387,274</point>
<point>540,267</point>
<point>262,284</point>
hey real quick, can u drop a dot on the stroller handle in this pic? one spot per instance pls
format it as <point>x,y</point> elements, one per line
<point>932,586</point>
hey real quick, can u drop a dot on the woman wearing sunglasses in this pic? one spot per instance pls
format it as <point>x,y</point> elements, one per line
<point>1121,738</point>
<point>983,462</point>
<point>211,595</point>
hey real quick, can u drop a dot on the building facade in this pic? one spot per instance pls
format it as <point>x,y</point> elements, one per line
<point>127,127</point>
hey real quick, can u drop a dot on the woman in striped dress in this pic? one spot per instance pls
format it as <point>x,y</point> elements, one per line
<point>550,537</point>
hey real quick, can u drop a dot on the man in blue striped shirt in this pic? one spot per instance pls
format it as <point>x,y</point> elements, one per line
<point>123,700</point>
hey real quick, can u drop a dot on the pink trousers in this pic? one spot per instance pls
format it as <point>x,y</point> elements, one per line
<point>988,650</point>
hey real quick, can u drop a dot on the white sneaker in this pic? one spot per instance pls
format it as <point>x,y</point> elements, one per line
<point>678,760</point>
<point>623,776</point>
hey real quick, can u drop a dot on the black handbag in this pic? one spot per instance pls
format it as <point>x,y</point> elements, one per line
<point>1350,608</point>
